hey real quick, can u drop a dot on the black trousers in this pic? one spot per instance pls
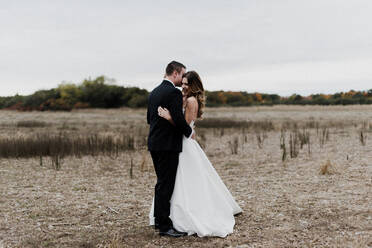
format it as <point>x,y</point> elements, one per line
<point>165,163</point>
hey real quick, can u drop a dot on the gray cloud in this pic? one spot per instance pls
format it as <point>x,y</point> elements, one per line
<point>263,45</point>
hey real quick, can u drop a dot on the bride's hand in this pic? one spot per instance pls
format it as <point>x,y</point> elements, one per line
<point>164,113</point>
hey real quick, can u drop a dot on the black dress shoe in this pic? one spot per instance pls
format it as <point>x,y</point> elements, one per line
<point>172,233</point>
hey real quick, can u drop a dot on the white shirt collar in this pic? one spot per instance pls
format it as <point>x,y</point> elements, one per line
<point>170,81</point>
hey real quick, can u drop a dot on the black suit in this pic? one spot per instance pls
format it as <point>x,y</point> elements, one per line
<point>165,144</point>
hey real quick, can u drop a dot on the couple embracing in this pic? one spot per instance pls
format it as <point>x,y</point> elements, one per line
<point>190,197</point>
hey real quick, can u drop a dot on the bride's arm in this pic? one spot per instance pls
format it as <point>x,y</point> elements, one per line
<point>164,113</point>
<point>191,111</point>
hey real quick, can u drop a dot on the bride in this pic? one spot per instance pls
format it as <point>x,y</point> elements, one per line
<point>201,204</point>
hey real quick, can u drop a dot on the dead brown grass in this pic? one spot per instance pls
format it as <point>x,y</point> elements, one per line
<point>328,168</point>
<point>101,202</point>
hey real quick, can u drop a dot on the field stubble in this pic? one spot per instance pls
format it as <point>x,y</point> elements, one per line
<point>318,198</point>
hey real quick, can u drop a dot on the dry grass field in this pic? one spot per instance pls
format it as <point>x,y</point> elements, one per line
<point>301,174</point>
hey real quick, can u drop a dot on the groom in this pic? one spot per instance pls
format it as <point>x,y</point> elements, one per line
<point>165,143</point>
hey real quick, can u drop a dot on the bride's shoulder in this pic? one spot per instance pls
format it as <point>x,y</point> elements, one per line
<point>191,101</point>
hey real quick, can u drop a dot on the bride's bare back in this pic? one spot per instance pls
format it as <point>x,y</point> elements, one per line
<point>191,109</point>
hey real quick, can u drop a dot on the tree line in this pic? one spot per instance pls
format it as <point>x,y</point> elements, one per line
<point>99,93</point>
<point>91,93</point>
<point>229,98</point>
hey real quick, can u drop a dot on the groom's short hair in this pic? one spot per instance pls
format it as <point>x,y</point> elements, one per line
<point>174,66</point>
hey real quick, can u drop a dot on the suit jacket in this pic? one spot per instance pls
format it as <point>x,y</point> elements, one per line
<point>164,136</point>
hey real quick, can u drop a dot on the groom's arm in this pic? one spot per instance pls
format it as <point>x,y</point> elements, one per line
<point>175,109</point>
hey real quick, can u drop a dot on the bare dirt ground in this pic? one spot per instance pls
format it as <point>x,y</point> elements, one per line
<point>94,201</point>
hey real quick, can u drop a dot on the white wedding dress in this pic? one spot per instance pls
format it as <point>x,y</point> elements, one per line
<point>200,203</point>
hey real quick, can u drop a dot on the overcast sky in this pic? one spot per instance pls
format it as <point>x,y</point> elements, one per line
<point>269,46</point>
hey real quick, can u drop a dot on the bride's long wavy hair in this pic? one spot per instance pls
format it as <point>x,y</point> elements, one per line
<point>196,89</point>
